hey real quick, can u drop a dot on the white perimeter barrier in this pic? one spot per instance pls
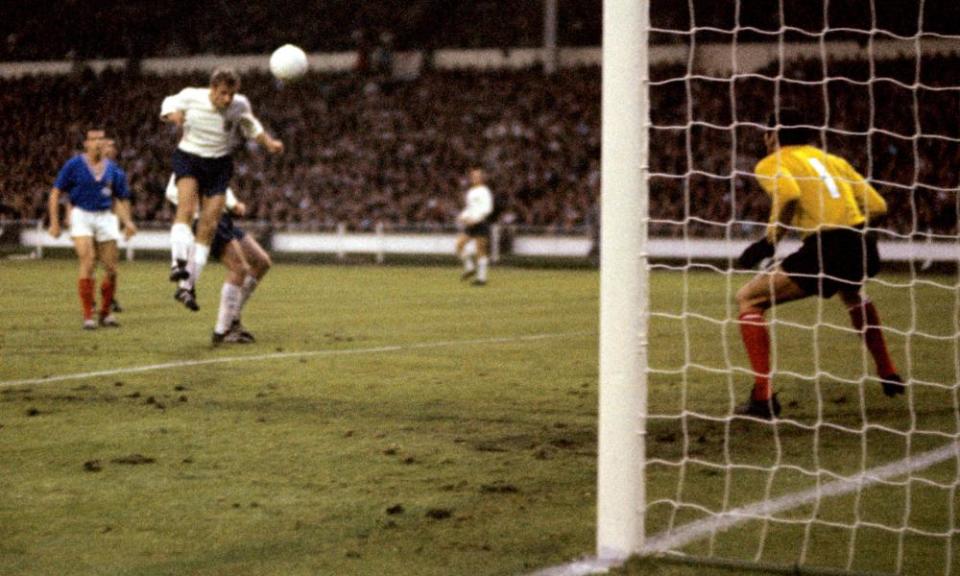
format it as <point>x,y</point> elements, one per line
<point>381,244</point>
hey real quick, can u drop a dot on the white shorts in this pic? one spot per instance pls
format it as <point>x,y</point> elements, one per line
<point>103,226</point>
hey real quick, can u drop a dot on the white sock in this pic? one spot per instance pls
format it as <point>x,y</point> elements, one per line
<point>195,265</point>
<point>230,296</point>
<point>181,239</point>
<point>468,264</point>
<point>188,283</point>
<point>482,268</point>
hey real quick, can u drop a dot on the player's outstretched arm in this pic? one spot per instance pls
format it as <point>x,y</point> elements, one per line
<point>271,144</point>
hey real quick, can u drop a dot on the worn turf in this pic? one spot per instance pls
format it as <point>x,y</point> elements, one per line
<point>392,420</point>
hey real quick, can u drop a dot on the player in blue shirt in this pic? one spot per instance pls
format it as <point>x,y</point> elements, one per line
<point>95,187</point>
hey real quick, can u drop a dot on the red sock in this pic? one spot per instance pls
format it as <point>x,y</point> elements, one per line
<point>85,288</point>
<point>107,288</point>
<point>753,330</point>
<point>866,315</point>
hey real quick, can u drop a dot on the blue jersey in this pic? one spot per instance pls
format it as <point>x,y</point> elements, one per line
<point>88,193</point>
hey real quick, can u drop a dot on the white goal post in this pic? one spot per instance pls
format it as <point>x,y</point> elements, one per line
<point>623,280</point>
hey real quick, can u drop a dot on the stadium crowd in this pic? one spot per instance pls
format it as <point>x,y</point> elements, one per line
<point>907,148</point>
<point>362,152</point>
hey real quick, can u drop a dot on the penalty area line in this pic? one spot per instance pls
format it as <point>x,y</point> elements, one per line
<point>285,355</point>
<point>669,543</point>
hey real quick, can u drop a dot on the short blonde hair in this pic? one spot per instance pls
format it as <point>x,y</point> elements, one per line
<point>225,77</point>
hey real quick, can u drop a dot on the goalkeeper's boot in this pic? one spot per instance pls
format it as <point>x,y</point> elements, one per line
<point>893,385</point>
<point>765,409</point>
<point>187,297</point>
<point>179,271</point>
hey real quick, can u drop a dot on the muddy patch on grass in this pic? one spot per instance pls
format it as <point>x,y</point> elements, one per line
<point>439,513</point>
<point>499,487</point>
<point>395,509</point>
<point>133,460</point>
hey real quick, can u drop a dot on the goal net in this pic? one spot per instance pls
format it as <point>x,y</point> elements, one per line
<point>848,478</point>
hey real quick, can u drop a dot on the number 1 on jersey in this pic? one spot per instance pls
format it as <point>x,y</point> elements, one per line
<point>825,176</point>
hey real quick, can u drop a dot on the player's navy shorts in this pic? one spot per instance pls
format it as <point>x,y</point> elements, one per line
<point>478,230</point>
<point>833,260</point>
<point>212,174</point>
<point>226,232</point>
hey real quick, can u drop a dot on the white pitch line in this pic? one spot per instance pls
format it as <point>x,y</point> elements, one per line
<point>694,531</point>
<point>282,355</point>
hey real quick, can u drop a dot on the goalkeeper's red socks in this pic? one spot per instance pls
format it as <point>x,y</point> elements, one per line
<point>865,314</point>
<point>753,330</point>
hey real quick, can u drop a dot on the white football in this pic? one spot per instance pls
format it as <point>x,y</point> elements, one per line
<point>288,62</point>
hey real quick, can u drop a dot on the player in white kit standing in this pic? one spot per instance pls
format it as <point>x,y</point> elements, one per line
<point>203,165</point>
<point>476,218</point>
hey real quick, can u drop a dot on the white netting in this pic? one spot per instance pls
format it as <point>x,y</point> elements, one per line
<point>846,478</point>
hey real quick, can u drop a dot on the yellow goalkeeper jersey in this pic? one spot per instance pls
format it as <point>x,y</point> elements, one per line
<point>828,192</point>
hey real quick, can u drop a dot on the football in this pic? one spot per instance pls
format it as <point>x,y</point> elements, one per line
<point>288,62</point>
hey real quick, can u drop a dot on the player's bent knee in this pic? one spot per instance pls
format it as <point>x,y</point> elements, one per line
<point>748,299</point>
<point>265,263</point>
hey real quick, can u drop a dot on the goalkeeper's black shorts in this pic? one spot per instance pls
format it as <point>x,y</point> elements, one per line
<point>833,260</point>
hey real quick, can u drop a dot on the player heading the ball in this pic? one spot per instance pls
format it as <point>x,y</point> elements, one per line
<point>209,119</point>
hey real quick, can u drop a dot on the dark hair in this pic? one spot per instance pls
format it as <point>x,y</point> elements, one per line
<point>792,127</point>
<point>85,134</point>
<point>225,76</point>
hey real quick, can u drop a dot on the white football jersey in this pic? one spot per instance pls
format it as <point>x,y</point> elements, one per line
<point>207,131</point>
<point>479,205</point>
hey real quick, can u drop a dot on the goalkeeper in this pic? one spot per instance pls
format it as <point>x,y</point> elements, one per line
<point>822,197</point>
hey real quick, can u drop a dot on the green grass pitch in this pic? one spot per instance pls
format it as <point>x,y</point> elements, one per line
<point>392,420</point>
